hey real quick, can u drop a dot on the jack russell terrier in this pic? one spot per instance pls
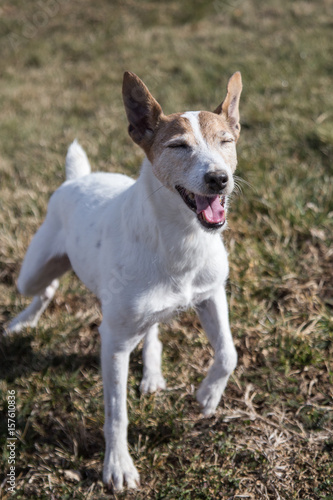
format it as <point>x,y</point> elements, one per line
<point>146,248</point>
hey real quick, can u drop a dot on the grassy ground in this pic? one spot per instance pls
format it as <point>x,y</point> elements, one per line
<point>61,68</point>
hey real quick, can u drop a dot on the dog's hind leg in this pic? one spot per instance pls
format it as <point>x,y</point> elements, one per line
<point>44,262</point>
<point>152,379</point>
<point>213,314</point>
<point>31,315</point>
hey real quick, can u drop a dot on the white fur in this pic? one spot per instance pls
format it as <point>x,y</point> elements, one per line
<point>140,249</point>
<point>77,163</point>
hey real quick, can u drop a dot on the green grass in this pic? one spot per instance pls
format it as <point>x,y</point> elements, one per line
<point>61,70</point>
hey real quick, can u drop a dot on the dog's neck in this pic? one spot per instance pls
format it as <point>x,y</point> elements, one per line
<point>168,207</point>
<point>170,226</point>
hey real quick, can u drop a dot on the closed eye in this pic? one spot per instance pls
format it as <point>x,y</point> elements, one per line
<point>182,145</point>
<point>226,138</point>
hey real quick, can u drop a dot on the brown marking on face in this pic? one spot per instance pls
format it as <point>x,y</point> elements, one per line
<point>212,138</point>
<point>219,135</point>
<point>169,127</point>
<point>214,127</point>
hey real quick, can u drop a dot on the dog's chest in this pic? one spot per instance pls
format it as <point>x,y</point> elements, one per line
<point>179,281</point>
<point>176,293</point>
<point>193,288</point>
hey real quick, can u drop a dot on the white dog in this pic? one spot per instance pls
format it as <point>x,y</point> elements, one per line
<point>146,249</point>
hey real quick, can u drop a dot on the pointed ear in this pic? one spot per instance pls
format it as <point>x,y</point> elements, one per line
<point>143,111</point>
<point>229,107</point>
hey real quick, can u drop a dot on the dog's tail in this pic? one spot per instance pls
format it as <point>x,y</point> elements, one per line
<point>77,163</point>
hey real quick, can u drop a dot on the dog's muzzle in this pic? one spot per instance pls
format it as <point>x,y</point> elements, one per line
<point>210,210</point>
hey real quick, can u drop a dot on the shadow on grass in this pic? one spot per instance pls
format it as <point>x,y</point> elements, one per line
<point>18,359</point>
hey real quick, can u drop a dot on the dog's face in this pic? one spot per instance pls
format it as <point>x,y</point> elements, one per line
<point>192,153</point>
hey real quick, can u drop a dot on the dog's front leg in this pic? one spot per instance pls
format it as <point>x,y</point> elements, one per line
<point>118,464</point>
<point>213,314</point>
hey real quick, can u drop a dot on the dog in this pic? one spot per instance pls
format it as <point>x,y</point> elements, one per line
<point>147,248</point>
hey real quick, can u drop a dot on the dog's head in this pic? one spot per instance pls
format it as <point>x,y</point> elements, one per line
<point>192,153</point>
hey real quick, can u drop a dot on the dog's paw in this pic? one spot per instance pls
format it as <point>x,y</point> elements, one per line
<point>119,471</point>
<point>15,326</point>
<point>208,397</point>
<point>152,382</point>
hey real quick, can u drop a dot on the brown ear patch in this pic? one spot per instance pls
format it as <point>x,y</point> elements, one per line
<point>142,110</point>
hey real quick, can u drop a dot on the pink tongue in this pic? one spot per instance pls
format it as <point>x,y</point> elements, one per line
<point>211,207</point>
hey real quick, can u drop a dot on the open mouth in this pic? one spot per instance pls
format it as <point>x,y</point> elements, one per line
<point>209,209</point>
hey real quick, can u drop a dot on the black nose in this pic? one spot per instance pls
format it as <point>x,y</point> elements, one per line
<point>216,181</point>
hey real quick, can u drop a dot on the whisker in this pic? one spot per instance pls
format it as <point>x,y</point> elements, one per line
<point>238,187</point>
<point>240,180</point>
<point>237,191</point>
